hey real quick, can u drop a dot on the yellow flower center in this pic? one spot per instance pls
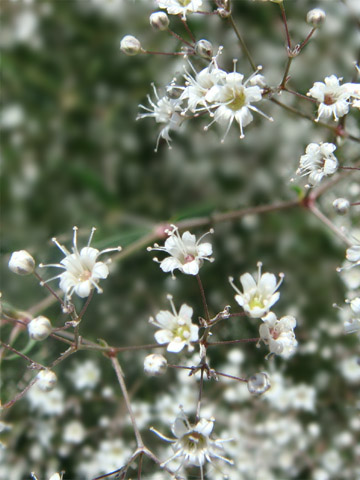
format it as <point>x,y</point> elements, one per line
<point>256,301</point>
<point>184,3</point>
<point>237,99</point>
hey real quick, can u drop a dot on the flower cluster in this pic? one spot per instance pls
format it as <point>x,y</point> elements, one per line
<point>225,96</point>
<point>256,299</point>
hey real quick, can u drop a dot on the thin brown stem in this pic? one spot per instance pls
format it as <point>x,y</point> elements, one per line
<point>242,43</point>
<point>187,28</point>
<point>239,379</point>
<point>120,377</point>
<point>203,298</point>
<point>178,37</point>
<point>329,224</point>
<point>20,395</point>
<point>283,14</point>
<point>25,357</point>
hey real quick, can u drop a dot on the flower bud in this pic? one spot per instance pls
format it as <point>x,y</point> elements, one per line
<point>355,305</point>
<point>315,17</point>
<point>204,49</point>
<point>22,263</point>
<point>130,45</point>
<point>39,328</point>
<point>341,206</point>
<point>159,21</point>
<point>46,380</point>
<point>259,383</point>
<point>155,364</point>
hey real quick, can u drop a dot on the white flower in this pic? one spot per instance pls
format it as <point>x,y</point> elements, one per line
<point>186,253</point>
<point>333,97</point>
<point>54,476</point>
<point>85,375</point>
<point>192,443</point>
<point>257,297</point>
<point>318,162</point>
<point>82,270</point>
<point>279,334</point>
<point>165,110</point>
<point>197,87</point>
<point>155,364</point>
<point>176,329</point>
<point>176,7</point>
<point>232,100</point>
<point>74,432</point>
<point>46,380</point>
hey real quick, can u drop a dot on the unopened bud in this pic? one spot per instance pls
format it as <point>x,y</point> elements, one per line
<point>259,383</point>
<point>130,45</point>
<point>355,305</point>
<point>204,49</point>
<point>159,21</point>
<point>39,328</point>
<point>315,17</point>
<point>22,263</point>
<point>341,206</point>
<point>155,364</point>
<point>46,380</point>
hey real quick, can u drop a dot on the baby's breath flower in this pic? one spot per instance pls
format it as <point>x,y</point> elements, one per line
<point>159,20</point>
<point>22,263</point>
<point>258,383</point>
<point>318,162</point>
<point>257,297</point>
<point>232,100</point>
<point>333,98</point>
<point>39,328</point>
<point>176,7</point>
<point>176,329</point>
<point>186,253</point>
<point>341,206</point>
<point>165,110</point>
<point>193,444</point>
<point>155,364</point>
<point>82,270</point>
<point>315,17</point>
<point>353,255</point>
<point>279,334</point>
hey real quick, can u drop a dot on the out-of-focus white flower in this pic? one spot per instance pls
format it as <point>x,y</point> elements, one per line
<point>74,432</point>
<point>165,110</point>
<point>353,255</point>
<point>176,7</point>
<point>318,162</point>
<point>155,364</point>
<point>257,297</point>
<point>39,328</point>
<point>176,329</point>
<point>82,270</point>
<point>21,263</point>
<point>279,334</point>
<point>333,97</point>
<point>192,443</point>
<point>232,100</point>
<point>350,369</point>
<point>186,253</point>
<point>85,375</point>
<point>54,476</point>
<point>12,116</point>
<point>46,403</point>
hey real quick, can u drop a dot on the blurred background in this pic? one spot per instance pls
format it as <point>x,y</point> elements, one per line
<point>73,154</point>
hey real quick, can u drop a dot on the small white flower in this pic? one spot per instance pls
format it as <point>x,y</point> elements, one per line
<point>82,270</point>
<point>85,375</point>
<point>21,263</point>
<point>74,432</point>
<point>176,7</point>
<point>232,100</point>
<point>333,97</point>
<point>257,297</point>
<point>192,443</point>
<point>279,334</point>
<point>176,329</point>
<point>353,255</point>
<point>155,364</point>
<point>318,162</point>
<point>130,45</point>
<point>186,253</point>
<point>165,110</point>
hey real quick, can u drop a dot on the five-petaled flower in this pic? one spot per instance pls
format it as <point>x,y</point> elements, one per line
<point>176,329</point>
<point>318,162</point>
<point>82,271</point>
<point>193,444</point>
<point>333,98</point>
<point>186,253</point>
<point>258,296</point>
<point>279,334</point>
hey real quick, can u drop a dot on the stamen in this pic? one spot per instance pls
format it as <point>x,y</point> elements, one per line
<point>61,247</point>
<point>91,236</point>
